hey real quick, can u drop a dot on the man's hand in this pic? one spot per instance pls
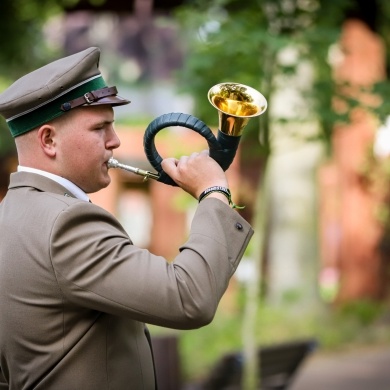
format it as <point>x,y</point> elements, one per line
<point>195,173</point>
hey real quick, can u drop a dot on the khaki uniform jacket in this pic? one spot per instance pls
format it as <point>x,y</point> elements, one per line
<point>75,292</point>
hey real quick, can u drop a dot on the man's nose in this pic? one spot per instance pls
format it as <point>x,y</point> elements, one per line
<point>113,141</point>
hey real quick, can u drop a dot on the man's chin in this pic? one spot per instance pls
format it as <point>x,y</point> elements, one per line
<point>99,186</point>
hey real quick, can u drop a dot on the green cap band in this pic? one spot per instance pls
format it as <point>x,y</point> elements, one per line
<point>42,114</point>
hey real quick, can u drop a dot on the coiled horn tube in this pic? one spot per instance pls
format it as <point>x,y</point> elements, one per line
<point>236,104</point>
<point>168,120</point>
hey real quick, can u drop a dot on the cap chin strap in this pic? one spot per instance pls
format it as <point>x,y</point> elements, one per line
<point>89,98</point>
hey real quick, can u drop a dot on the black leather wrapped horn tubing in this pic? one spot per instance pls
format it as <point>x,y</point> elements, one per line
<point>222,149</point>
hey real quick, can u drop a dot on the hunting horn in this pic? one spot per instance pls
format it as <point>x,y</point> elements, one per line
<point>236,104</point>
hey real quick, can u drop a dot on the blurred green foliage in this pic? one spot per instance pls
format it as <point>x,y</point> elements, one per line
<point>247,42</point>
<point>23,47</point>
<point>227,40</point>
<point>355,325</point>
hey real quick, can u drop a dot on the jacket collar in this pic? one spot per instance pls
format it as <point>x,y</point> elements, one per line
<point>41,183</point>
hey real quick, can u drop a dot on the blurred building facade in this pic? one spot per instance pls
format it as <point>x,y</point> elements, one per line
<point>350,230</point>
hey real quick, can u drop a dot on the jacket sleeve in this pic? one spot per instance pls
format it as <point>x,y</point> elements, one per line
<point>98,267</point>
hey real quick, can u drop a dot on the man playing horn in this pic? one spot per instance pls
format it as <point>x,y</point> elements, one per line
<point>75,293</point>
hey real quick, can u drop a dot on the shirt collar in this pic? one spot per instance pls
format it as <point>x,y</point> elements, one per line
<point>71,187</point>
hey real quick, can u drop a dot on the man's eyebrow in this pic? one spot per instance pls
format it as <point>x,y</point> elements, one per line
<point>105,122</point>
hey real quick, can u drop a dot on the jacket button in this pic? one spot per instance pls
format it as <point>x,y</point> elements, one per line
<point>238,226</point>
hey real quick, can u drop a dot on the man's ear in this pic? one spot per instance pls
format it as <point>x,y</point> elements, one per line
<point>46,136</point>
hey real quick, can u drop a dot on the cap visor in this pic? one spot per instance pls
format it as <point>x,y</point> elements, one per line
<point>110,100</point>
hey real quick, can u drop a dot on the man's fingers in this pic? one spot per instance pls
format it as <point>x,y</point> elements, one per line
<point>169,165</point>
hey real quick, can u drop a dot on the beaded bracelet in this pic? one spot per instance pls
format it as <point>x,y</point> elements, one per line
<point>222,190</point>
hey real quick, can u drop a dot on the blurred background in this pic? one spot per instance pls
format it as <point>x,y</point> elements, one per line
<point>313,171</point>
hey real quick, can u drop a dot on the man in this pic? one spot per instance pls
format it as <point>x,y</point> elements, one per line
<point>75,293</point>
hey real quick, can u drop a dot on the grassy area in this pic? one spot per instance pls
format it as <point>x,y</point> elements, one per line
<point>357,324</point>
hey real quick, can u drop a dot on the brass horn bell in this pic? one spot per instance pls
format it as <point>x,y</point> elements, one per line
<point>236,104</point>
